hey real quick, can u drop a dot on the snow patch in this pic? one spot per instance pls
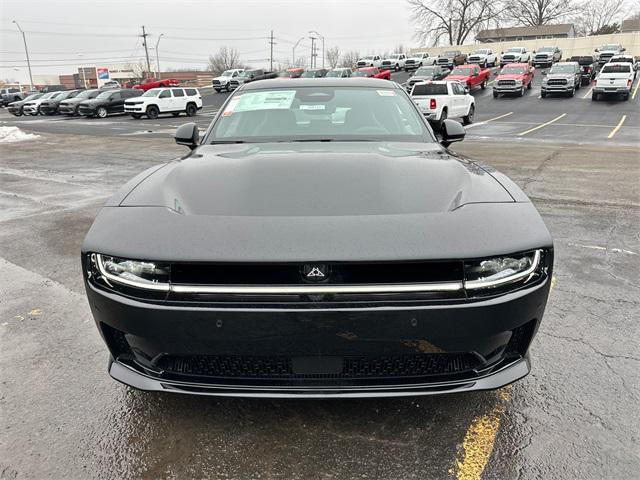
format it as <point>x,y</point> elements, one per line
<point>14,134</point>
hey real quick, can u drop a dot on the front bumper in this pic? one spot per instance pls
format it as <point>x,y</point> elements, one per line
<point>29,109</point>
<point>66,109</point>
<point>557,88</point>
<point>87,112</point>
<point>48,110</point>
<point>151,342</point>
<point>133,109</point>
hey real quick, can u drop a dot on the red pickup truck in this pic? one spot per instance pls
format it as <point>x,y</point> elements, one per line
<point>470,75</point>
<point>513,79</point>
<point>372,72</point>
<point>150,83</point>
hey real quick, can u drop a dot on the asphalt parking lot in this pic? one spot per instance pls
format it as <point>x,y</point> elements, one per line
<point>575,416</point>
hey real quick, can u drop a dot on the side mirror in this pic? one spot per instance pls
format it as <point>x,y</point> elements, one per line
<point>596,50</point>
<point>533,51</point>
<point>501,53</point>
<point>452,132</point>
<point>623,50</point>
<point>466,90</point>
<point>543,72</point>
<point>187,135</point>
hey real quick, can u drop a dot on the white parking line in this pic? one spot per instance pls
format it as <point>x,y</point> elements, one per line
<point>617,127</point>
<point>635,92</point>
<point>490,120</point>
<point>588,94</point>
<point>542,125</point>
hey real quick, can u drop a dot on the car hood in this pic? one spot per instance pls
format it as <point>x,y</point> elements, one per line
<point>310,180</point>
<point>458,77</point>
<point>303,202</point>
<point>559,75</point>
<point>74,101</point>
<point>510,76</point>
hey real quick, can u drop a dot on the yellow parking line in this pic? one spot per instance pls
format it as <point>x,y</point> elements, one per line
<point>588,94</point>
<point>635,92</point>
<point>498,118</point>
<point>542,125</point>
<point>617,127</point>
<point>480,439</point>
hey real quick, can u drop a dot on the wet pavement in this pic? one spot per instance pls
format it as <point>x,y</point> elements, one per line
<point>62,417</point>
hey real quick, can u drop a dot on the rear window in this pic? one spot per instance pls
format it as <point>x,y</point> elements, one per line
<point>582,60</point>
<point>190,92</point>
<point>430,89</point>
<point>616,69</point>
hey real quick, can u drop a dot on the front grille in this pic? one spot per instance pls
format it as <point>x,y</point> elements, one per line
<point>507,83</point>
<point>443,61</point>
<point>410,62</point>
<point>340,273</point>
<point>474,59</point>
<point>508,58</point>
<point>557,81</point>
<point>216,82</point>
<point>542,58</point>
<point>353,367</point>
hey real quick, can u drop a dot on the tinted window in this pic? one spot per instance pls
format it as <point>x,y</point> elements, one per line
<point>430,89</point>
<point>427,71</point>
<point>307,113</point>
<point>165,94</point>
<point>616,69</point>
<point>582,60</point>
<point>190,92</point>
<point>178,92</point>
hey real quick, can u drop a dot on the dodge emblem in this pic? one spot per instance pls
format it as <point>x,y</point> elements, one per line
<point>315,273</point>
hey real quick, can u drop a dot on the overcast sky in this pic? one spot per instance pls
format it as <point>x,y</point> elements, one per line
<point>63,34</point>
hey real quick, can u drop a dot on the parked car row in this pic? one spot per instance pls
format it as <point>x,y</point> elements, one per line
<point>103,102</point>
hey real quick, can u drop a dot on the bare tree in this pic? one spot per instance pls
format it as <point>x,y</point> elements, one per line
<point>598,18</point>
<point>450,20</point>
<point>333,56</point>
<point>350,58</point>
<point>540,12</point>
<point>225,59</point>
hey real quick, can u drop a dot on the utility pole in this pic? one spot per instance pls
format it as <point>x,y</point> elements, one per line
<point>293,57</point>
<point>26,51</point>
<point>322,38</point>
<point>158,55</point>
<point>271,43</point>
<point>146,50</point>
<point>313,50</point>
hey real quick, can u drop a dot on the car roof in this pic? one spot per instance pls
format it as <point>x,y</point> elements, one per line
<point>519,64</point>
<point>320,82</point>
<point>617,63</point>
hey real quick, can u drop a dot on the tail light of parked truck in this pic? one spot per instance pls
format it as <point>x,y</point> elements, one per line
<point>432,104</point>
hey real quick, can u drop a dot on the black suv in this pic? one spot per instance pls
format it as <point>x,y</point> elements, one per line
<point>588,65</point>
<point>108,101</point>
<point>251,76</point>
<point>69,106</point>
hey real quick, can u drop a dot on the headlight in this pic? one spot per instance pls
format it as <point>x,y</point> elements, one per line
<point>133,273</point>
<point>570,80</point>
<point>498,271</point>
<point>518,82</point>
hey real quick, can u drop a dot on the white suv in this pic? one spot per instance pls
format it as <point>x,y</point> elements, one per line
<point>155,101</point>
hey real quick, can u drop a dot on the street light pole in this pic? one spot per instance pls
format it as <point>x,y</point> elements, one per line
<point>84,80</point>
<point>26,51</point>
<point>322,37</point>
<point>313,50</point>
<point>158,55</point>
<point>293,57</point>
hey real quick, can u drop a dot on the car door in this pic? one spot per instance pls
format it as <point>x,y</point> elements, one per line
<point>179,100</point>
<point>165,101</point>
<point>459,100</point>
<point>116,103</point>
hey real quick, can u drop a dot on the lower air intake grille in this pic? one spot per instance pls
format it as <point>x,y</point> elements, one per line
<point>280,367</point>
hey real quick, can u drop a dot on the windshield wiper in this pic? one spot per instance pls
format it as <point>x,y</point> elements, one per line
<point>219,142</point>
<point>329,140</point>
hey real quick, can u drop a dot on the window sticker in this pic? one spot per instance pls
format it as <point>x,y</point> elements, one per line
<point>386,93</point>
<point>231,106</point>
<point>264,100</point>
<point>312,107</point>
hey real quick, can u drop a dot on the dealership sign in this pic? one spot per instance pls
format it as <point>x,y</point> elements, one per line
<point>102,75</point>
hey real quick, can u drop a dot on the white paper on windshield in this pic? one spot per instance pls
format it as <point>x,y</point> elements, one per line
<point>312,107</point>
<point>278,99</point>
<point>386,93</point>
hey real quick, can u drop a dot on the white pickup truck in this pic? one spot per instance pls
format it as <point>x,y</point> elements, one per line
<point>222,82</point>
<point>418,60</point>
<point>613,79</point>
<point>395,62</point>
<point>515,55</point>
<point>155,101</point>
<point>483,57</point>
<point>439,100</point>
<point>369,61</point>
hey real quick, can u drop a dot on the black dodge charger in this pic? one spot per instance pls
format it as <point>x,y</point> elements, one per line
<point>318,241</point>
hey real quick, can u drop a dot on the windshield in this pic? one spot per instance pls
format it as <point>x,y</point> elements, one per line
<point>289,74</point>
<point>513,71</point>
<point>335,73</point>
<point>610,46</point>
<point>514,50</point>
<point>370,57</point>
<point>429,89</point>
<point>546,49</point>
<point>395,55</point>
<point>359,73</point>
<point>105,94</point>
<point>616,69</point>
<point>85,94</point>
<point>34,96</point>
<point>227,73</point>
<point>63,95</point>
<point>426,71</point>
<point>461,71</point>
<point>558,68</point>
<point>151,93</point>
<point>319,113</point>
<point>449,54</point>
<point>621,60</point>
<point>310,74</point>
<point>482,51</point>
